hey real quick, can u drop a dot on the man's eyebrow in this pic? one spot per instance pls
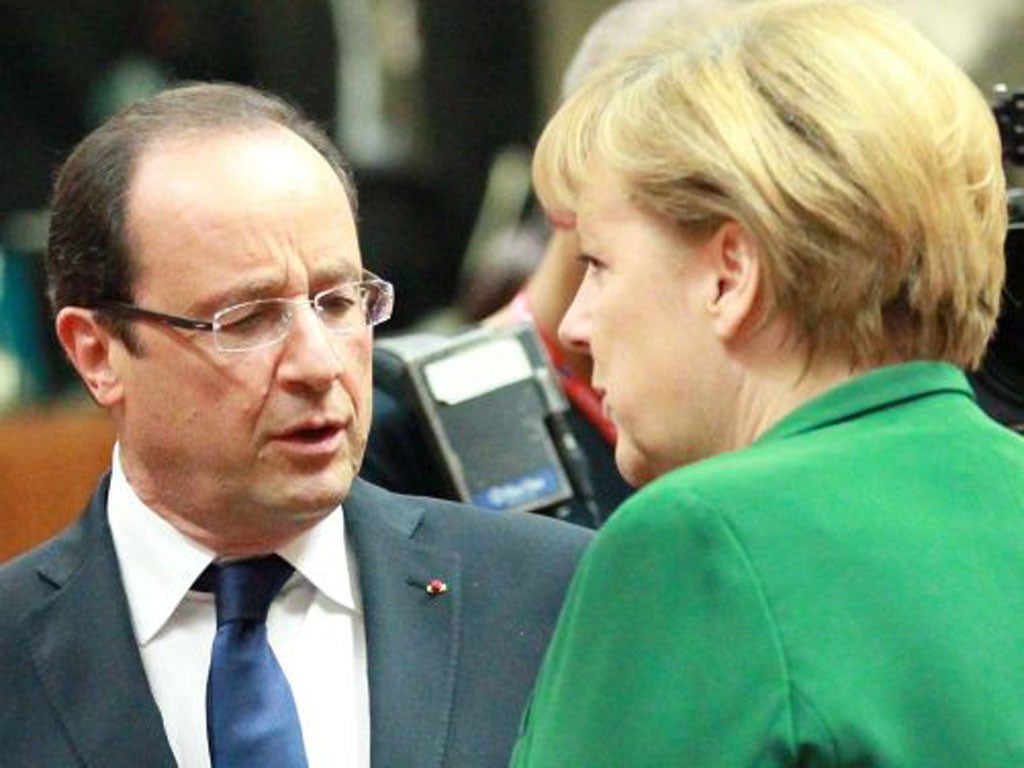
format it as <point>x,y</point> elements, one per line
<point>237,294</point>
<point>335,274</point>
<point>270,288</point>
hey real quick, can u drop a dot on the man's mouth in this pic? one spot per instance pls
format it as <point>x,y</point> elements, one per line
<point>321,438</point>
<point>313,434</point>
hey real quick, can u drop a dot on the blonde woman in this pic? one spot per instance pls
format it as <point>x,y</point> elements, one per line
<point>792,221</point>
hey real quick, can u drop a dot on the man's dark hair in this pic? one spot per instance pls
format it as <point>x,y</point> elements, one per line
<point>88,259</point>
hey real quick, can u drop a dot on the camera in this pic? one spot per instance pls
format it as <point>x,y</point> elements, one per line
<point>999,383</point>
<point>1009,111</point>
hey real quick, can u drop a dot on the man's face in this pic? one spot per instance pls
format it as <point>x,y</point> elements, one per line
<point>641,312</point>
<point>253,445</point>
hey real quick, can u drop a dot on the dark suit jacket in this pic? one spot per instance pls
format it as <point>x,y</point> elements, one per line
<point>448,674</point>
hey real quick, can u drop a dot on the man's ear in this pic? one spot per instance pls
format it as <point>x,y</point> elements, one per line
<point>92,350</point>
<point>736,260</point>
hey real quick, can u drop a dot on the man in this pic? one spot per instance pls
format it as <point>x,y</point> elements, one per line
<point>209,290</point>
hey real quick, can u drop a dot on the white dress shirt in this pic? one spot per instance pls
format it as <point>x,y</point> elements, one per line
<point>315,627</point>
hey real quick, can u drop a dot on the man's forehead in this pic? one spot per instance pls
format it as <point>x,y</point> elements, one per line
<point>253,215</point>
<point>229,173</point>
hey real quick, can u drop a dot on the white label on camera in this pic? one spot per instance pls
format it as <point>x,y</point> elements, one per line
<point>480,369</point>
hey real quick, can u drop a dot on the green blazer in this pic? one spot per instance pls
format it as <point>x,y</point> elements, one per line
<point>849,590</point>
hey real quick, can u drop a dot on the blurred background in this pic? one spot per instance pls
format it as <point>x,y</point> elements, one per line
<point>435,103</point>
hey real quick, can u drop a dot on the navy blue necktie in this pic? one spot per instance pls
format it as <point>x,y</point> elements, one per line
<point>251,718</point>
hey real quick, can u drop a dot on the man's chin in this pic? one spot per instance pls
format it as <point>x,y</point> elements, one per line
<point>320,499</point>
<point>305,492</point>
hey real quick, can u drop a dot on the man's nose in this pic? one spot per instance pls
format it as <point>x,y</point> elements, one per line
<point>312,355</point>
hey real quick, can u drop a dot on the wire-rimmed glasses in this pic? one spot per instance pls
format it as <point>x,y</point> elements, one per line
<point>347,308</point>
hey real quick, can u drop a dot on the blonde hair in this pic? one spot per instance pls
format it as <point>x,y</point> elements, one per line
<point>862,161</point>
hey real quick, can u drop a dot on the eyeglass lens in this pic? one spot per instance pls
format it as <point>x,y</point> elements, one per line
<point>345,309</point>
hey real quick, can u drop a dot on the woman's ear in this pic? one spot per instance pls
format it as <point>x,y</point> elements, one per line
<point>91,348</point>
<point>736,261</point>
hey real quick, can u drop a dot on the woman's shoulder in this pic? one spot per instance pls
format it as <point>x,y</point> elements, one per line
<point>756,486</point>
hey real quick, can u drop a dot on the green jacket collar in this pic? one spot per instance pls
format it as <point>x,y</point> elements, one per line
<point>875,390</point>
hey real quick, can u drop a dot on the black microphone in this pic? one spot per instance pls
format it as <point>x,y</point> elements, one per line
<point>568,447</point>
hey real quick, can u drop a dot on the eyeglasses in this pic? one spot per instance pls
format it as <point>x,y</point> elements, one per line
<point>344,309</point>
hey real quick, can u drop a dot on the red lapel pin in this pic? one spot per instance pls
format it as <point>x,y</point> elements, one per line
<point>436,587</point>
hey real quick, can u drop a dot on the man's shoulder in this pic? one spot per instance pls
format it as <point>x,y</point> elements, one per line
<point>461,526</point>
<point>33,575</point>
<point>25,579</point>
<point>506,567</point>
<point>23,588</point>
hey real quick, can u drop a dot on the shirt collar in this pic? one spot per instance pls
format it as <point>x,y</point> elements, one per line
<point>159,564</point>
<point>322,555</point>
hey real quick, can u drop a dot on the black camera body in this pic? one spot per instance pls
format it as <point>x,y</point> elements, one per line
<point>1009,111</point>
<point>999,383</point>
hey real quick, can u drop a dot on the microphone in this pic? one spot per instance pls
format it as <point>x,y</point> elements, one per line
<point>568,446</point>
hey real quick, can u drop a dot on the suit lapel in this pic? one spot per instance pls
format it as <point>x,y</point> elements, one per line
<point>85,652</point>
<point>411,635</point>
